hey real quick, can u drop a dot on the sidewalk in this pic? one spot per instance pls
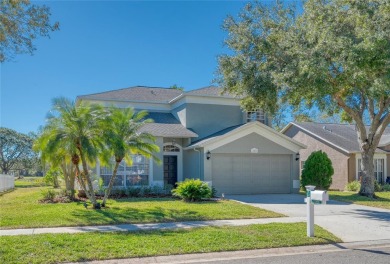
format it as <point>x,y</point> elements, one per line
<point>153,226</point>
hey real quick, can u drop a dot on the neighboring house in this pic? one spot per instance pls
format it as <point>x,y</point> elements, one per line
<point>340,142</point>
<point>205,134</point>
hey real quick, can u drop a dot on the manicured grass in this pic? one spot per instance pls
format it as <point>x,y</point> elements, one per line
<point>28,182</point>
<point>54,248</point>
<point>383,200</point>
<point>21,209</point>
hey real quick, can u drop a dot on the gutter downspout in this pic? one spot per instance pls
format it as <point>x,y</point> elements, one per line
<point>197,150</point>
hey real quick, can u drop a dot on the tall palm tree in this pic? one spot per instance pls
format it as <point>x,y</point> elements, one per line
<point>123,138</point>
<point>75,130</point>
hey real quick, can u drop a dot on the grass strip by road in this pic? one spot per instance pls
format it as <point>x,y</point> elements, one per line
<point>54,248</point>
<point>382,200</point>
<point>21,209</point>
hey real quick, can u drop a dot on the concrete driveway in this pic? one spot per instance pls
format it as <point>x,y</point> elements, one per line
<point>349,222</point>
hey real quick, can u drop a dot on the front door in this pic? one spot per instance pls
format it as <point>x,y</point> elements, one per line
<point>170,170</point>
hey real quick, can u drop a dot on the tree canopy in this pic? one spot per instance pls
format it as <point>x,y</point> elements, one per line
<point>20,24</point>
<point>334,55</point>
<point>15,150</point>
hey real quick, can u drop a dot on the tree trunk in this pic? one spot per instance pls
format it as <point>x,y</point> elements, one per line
<point>56,184</point>
<point>367,181</point>
<point>90,189</point>
<point>110,184</point>
<point>69,176</point>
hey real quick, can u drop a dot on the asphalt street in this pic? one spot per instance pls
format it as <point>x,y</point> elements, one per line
<point>377,255</point>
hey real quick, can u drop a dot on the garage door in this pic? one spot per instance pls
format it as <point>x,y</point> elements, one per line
<point>251,174</point>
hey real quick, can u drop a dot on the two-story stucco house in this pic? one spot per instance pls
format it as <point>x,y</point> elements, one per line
<point>205,134</point>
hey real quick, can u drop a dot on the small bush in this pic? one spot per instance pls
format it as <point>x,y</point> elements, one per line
<point>192,190</point>
<point>377,187</point>
<point>353,186</point>
<point>51,196</point>
<point>318,171</point>
<point>133,191</point>
<point>386,188</point>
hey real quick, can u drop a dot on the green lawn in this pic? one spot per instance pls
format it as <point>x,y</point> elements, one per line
<point>21,209</point>
<point>28,182</point>
<point>54,248</point>
<point>383,200</point>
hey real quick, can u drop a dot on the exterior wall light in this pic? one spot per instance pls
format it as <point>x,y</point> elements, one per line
<point>297,156</point>
<point>208,155</point>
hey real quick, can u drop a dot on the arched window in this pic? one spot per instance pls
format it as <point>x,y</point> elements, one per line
<point>171,148</point>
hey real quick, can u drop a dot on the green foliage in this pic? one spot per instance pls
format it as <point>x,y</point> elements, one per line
<point>377,186</point>
<point>180,88</point>
<point>332,56</point>
<point>192,190</point>
<point>386,188</point>
<point>21,23</point>
<point>49,194</point>
<point>52,177</point>
<point>318,171</point>
<point>15,150</point>
<point>353,186</point>
<point>52,196</point>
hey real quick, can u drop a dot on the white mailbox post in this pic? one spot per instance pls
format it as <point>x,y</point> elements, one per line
<point>313,197</point>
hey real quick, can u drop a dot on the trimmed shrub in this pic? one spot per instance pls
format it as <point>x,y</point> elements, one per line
<point>377,187</point>
<point>353,186</point>
<point>386,188</point>
<point>192,190</point>
<point>318,171</point>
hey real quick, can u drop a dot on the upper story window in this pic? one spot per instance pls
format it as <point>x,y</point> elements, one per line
<point>171,148</point>
<point>256,115</point>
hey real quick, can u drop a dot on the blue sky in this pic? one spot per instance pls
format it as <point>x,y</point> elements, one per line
<point>109,45</point>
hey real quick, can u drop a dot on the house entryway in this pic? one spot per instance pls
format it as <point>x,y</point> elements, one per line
<point>170,170</point>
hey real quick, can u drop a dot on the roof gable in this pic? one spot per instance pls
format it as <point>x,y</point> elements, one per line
<point>231,134</point>
<point>341,136</point>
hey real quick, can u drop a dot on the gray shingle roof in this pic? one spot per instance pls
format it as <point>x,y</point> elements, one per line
<point>153,94</point>
<point>166,125</point>
<point>212,136</point>
<point>164,118</point>
<point>209,91</point>
<point>343,136</point>
<point>168,130</point>
<point>137,94</point>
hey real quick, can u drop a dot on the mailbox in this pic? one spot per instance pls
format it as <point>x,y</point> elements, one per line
<point>319,197</point>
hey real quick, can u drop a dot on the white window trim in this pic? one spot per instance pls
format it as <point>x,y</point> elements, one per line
<point>179,159</point>
<point>376,156</point>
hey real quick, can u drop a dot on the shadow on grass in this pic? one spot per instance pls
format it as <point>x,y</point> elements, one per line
<point>115,215</point>
<point>32,185</point>
<point>354,197</point>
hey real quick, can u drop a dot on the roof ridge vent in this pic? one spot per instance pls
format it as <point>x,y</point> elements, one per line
<point>326,129</point>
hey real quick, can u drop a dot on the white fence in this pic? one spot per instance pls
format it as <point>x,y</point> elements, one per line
<point>7,182</point>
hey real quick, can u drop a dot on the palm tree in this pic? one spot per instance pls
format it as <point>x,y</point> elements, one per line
<point>57,158</point>
<point>123,138</point>
<point>74,129</point>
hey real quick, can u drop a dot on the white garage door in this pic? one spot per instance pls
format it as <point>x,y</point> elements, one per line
<point>251,174</point>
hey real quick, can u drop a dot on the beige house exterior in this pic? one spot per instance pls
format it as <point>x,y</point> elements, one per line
<point>339,141</point>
